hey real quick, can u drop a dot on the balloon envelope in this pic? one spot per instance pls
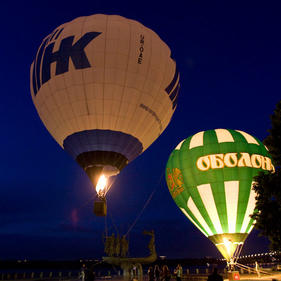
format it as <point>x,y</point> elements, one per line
<point>210,177</point>
<point>105,87</point>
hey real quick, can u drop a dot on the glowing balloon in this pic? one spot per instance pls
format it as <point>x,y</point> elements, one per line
<point>105,87</point>
<point>210,177</point>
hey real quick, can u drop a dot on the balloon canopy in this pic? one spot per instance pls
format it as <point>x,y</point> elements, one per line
<point>210,177</point>
<point>105,87</point>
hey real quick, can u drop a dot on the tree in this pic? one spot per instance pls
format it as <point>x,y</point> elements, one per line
<point>268,187</point>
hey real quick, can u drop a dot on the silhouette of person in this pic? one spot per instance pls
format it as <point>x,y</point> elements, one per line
<point>166,274</point>
<point>178,272</point>
<point>82,274</point>
<point>150,273</point>
<point>257,269</point>
<point>215,276</point>
<point>157,272</point>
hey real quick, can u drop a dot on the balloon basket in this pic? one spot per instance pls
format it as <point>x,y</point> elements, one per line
<point>233,275</point>
<point>100,207</point>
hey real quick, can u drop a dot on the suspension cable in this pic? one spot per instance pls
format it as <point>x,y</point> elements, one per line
<point>145,205</point>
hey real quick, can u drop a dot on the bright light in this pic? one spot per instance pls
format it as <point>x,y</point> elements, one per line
<point>227,244</point>
<point>102,182</point>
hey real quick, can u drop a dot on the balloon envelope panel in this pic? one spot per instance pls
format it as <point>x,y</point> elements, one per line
<point>210,176</point>
<point>104,83</point>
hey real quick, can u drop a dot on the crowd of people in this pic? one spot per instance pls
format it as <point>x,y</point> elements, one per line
<point>155,273</point>
<point>164,273</point>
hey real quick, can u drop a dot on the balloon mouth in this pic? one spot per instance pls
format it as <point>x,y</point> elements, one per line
<point>229,244</point>
<point>105,180</point>
<point>102,178</point>
<point>97,163</point>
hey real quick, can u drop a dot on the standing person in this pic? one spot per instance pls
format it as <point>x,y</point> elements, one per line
<point>257,269</point>
<point>166,274</point>
<point>82,274</point>
<point>157,272</point>
<point>215,276</point>
<point>178,272</point>
<point>150,273</point>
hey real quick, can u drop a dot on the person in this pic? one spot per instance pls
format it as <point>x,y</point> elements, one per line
<point>215,276</point>
<point>157,272</point>
<point>82,273</point>
<point>178,272</point>
<point>166,274</point>
<point>150,273</point>
<point>257,269</point>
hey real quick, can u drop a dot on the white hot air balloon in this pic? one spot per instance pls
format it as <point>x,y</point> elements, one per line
<point>105,87</point>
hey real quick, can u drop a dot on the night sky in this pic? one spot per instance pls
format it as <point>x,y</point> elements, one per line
<point>229,57</point>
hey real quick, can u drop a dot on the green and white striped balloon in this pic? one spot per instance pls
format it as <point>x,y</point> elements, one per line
<point>210,177</point>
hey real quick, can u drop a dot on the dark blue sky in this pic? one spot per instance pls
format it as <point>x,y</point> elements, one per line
<point>229,56</point>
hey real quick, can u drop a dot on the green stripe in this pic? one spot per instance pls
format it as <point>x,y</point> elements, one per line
<point>243,198</point>
<point>210,140</point>
<point>219,197</point>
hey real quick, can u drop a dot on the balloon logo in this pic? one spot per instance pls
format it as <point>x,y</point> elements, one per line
<point>210,177</point>
<point>105,87</point>
<point>175,181</point>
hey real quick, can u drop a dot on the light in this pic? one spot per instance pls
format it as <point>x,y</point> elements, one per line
<point>101,185</point>
<point>227,244</point>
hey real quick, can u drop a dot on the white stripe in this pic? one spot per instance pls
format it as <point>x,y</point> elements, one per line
<point>207,197</point>
<point>179,145</point>
<point>196,140</point>
<point>231,189</point>
<point>250,229</point>
<point>190,218</point>
<point>266,148</point>
<point>249,138</point>
<point>192,207</point>
<point>250,210</point>
<point>224,135</point>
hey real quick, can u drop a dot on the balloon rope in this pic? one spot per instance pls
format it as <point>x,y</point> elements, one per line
<point>237,253</point>
<point>251,269</point>
<point>145,205</point>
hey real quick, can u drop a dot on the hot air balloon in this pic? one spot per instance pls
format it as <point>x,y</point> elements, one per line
<point>210,177</point>
<point>105,87</point>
